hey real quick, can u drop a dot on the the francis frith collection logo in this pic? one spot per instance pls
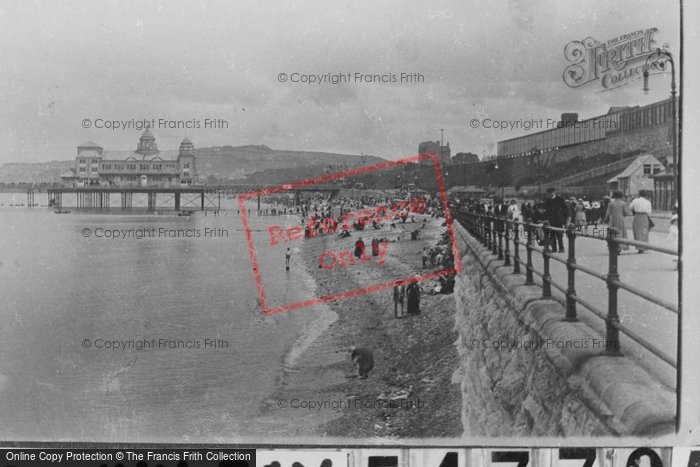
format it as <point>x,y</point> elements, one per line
<point>615,63</point>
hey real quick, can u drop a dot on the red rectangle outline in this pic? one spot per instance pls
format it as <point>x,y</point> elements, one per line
<point>351,293</point>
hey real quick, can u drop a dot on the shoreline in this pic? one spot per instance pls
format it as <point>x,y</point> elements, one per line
<point>411,392</point>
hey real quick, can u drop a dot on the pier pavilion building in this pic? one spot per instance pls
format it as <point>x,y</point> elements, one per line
<point>145,167</point>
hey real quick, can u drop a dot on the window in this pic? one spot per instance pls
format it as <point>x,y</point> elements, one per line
<point>81,161</point>
<point>94,161</point>
<point>156,179</point>
<point>657,168</point>
<point>647,169</point>
<point>93,169</point>
<point>131,166</point>
<point>106,166</point>
<point>82,169</point>
<point>143,167</point>
<point>186,165</point>
<point>157,166</point>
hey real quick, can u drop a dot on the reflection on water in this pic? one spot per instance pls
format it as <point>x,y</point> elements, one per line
<point>61,290</point>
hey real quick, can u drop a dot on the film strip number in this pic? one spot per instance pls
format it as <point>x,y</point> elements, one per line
<point>522,458</point>
<point>466,457</point>
<point>577,457</point>
<point>437,457</point>
<point>638,457</point>
<point>431,457</point>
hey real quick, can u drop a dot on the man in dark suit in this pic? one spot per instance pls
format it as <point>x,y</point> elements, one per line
<point>557,214</point>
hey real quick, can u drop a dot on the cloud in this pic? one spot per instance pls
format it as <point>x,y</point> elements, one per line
<point>65,61</point>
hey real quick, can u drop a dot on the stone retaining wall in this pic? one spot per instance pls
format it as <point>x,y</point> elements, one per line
<point>547,391</point>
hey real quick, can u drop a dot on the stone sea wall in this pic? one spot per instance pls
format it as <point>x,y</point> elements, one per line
<point>545,391</point>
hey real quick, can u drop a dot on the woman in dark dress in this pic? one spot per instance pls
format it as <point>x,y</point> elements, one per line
<point>359,248</point>
<point>413,298</point>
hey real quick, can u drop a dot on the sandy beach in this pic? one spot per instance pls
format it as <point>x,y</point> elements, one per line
<point>410,392</point>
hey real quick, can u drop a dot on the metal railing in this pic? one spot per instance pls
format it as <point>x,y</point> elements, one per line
<point>497,234</point>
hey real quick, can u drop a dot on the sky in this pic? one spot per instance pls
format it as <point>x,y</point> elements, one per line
<point>62,62</point>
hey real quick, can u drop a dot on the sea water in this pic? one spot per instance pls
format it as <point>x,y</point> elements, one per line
<point>69,297</point>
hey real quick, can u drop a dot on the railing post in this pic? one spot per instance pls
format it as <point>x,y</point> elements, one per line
<point>516,253</point>
<point>612,334</point>
<point>571,289</point>
<point>546,277</point>
<point>494,233</point>
<point>506,255</point>
<point>480,228</point>
<point>499,228</point>
<point>529,280</point>
<point>487,232</point>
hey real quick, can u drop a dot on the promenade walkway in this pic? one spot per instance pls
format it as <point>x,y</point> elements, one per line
<point>651,272</point>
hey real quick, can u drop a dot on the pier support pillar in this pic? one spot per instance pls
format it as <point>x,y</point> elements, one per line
<point>202,201</point>
<point>177,201</point>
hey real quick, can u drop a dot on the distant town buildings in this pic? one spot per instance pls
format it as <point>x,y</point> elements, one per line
<point>443,152</point>
<point>145,167</point>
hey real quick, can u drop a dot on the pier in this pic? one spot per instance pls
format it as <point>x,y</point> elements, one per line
<point>192,197</point>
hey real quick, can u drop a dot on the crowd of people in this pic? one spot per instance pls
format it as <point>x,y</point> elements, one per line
<point>577,214</point>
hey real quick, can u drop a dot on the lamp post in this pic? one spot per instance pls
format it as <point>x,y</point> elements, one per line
<point>538,153</point>
<point>659,60</point>
<point>501,184</point>
<point>441,132</point>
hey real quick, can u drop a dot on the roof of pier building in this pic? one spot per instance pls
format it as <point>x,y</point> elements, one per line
<point>147,151</point>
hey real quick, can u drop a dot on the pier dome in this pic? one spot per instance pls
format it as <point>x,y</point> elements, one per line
<point>147,144</point>
<point>186,147</point>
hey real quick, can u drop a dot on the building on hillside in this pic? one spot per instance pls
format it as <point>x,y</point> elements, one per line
<point>145,167</point>
<point>569,131</point>
<point>443,152</point>
<point>637,176</point>
<point>465,158</point>
<point>466,192</point>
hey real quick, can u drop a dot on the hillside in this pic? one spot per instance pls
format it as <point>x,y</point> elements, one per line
<point>225,162</point>
<point>45,172</point>
<point>238,162</point>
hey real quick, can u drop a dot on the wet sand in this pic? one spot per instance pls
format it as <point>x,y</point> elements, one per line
<point>409,393</point>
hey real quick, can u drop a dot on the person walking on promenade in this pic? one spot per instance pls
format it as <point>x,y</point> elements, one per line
<point>615,217</point>
<point>514,211</point>
<point>580,215</point>
<point>526,210</point>
<point>571,203</point>
<point>557,215</point>
<point>641,209</point>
